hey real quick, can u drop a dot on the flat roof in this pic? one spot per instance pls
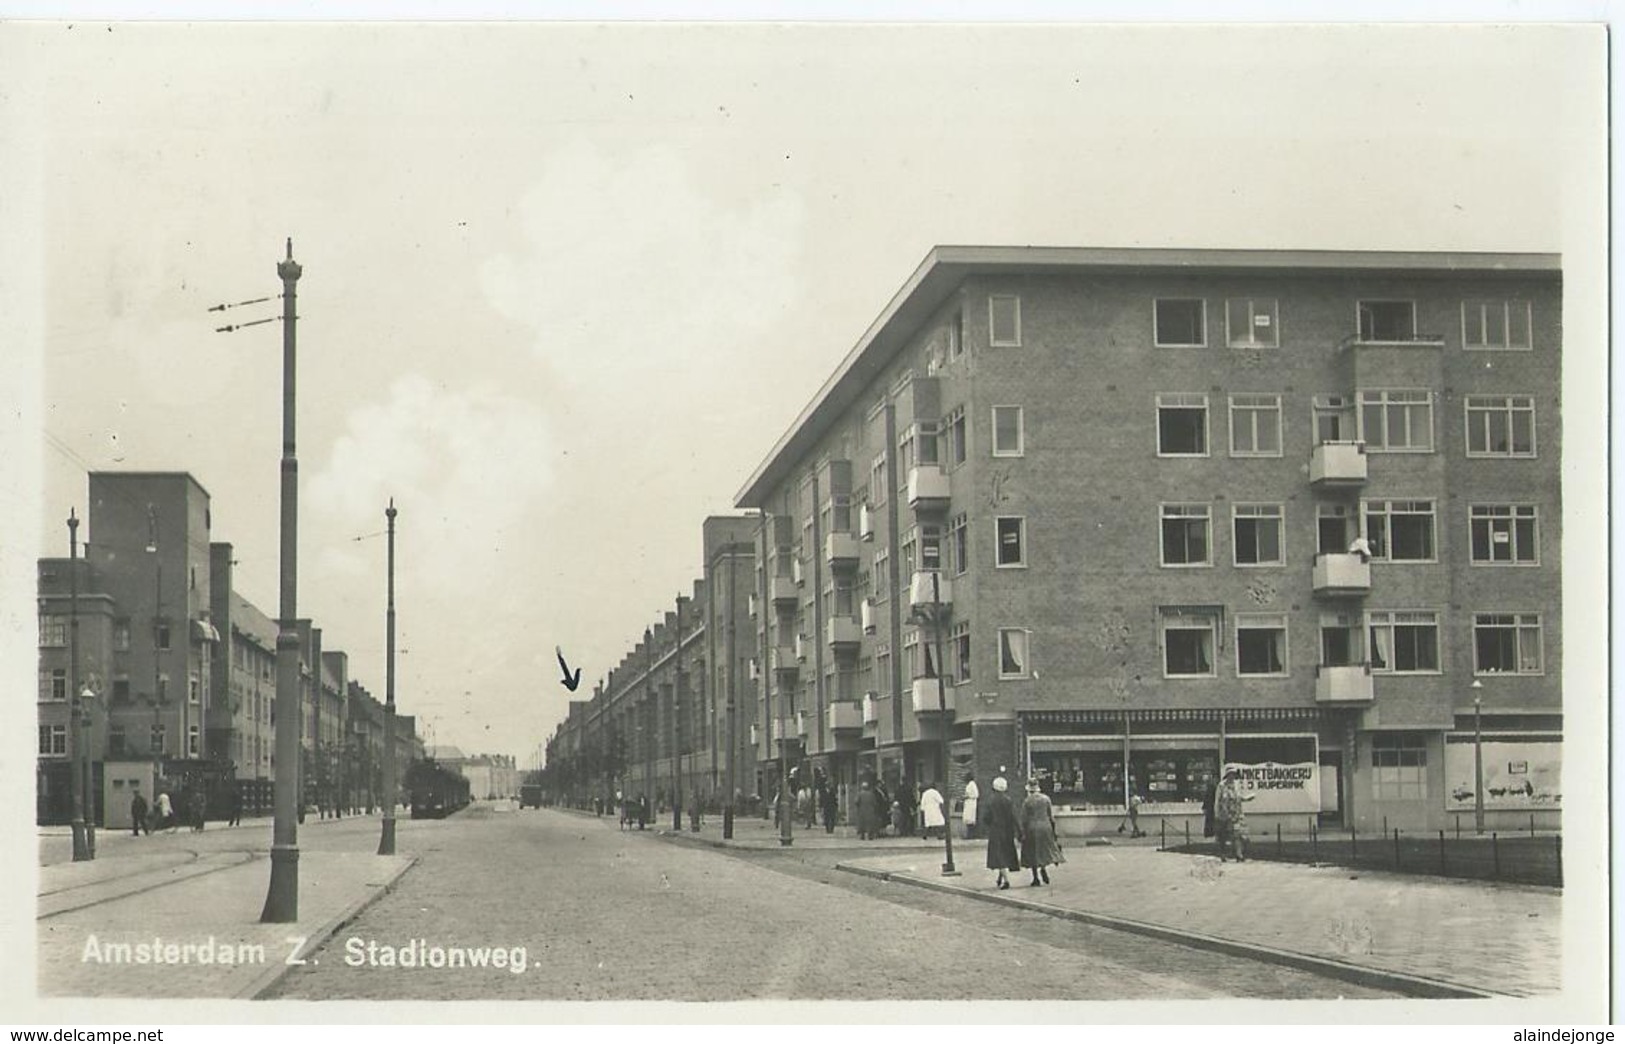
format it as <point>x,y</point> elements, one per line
<point>945,267</point>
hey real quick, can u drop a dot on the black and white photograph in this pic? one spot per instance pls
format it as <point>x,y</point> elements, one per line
<point>805,520</point>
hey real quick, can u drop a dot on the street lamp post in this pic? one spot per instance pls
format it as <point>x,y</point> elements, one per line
<point>1478,756</point>
<point>677,725</point>
<point>942,723</point>
<point>77,735</point>
<point>282,895</point>
<point>157,647</point>
<point>386,842</point>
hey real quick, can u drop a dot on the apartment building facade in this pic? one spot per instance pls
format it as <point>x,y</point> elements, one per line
<point>1146,513</point>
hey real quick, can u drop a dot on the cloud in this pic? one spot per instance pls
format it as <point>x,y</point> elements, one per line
<point>465,466</point>
<point>634,269</point>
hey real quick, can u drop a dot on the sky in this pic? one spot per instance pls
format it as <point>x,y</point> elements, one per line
<point>565,285</point>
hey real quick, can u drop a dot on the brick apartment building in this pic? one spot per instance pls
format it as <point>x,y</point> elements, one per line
<point>182,668</point>
<point>665,719</point>
<point>1136,481</point>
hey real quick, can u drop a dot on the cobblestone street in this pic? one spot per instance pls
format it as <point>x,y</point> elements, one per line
<point>604,915</point>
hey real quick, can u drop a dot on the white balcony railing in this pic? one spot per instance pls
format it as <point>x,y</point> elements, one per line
<point>784,659</point>
<point>841,549</point>
<point>801,648</point>
<point>1346,683</point>
<point>866,523</point>
<point>927,486</point>
<point>842,630</point>
<point>866,616</point>
<point>925,696</point>
<point>845,714</point>
<point>781,589</point>
<point>1338,463</point>
<point>871,707</point>
<point>920,588</point>
<point>1341,574</point>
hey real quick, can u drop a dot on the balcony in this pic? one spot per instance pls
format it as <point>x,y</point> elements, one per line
<point>841,550</point>
<point>797,573</point>
<point>1337,464</point>
<point>755,735</point>
<point>925,696</point>
<point>866,523</point>
<point>784,659</point>
<point>867,616</point>
<point>782,728</point>
<point>781,591</point>
<point>920,589</point>
<point>1348,683</point>
<point>1341,575</point>
<point>845,715</point>
<point>751,604</point>
<point>927,487</point>
<point>842,630</point>
<point>801,648</point>
<point>871,707</point>
<point>801,723</point>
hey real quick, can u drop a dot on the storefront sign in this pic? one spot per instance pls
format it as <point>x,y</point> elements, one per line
<point>1516,775</point>
<point>1277,787</point>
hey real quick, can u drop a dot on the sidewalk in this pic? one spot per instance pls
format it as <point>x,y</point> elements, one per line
<point>1426,936</point>
<point>184,924</point>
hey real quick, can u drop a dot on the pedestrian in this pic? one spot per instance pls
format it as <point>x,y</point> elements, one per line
<point>236,807</point>
<point>165,811</point>
<point>1208,794</point>
<point>869,812</point>
<point>198,809</point>
<point>905,806</point>
<point>138,814</point>
<point>972,801</point>
<point>1039,847</point>
<point>643,811</point>
<point>831,807</point>
<point>998,821</point>
<point>1230,810</point>
<point>805,806</point>
<point>696,811</point>
<point>931,811</point>
<point>1133,801</point>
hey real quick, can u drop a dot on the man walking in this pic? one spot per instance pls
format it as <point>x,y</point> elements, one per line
<point>138,814</point>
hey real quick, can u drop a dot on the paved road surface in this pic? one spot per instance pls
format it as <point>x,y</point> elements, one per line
<point>602,915</point>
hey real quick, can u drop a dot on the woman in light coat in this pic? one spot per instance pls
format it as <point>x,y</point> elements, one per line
<point>932,812</point>
<point>1039,849</point>
<point>972,801</point>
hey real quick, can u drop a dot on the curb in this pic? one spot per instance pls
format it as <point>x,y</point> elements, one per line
<point>268,979</point>
<point>1399,982</point>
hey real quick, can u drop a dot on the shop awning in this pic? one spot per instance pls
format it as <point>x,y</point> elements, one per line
<point>203,631</point>
<point>1097,716</point>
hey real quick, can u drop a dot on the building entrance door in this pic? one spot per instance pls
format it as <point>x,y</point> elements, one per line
<point>1331,788</point>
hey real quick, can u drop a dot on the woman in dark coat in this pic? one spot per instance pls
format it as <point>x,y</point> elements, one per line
<point>870,813</point>
<point>997,819</point>
<point>1038,846</point>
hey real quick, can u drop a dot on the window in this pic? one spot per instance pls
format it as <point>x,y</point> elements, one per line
<point>1185,534</point>
<point>192,690</point>
<point>1506,643</point>
<point>1012,541</point>
<point>877,481</point>
<point>1261,644</point>
<point>1004,321</point>
<point>1181,323</point>
<point>1008,433</point>
<point>1013,648</point>
<point>953,436</point>
<point>121,635</point>
<point>1188,638</point>
<point>156,739</point>
<point>1387,321</point>
<point>121,690</point>
<point>1500,426</point>
<point>53,740</point>
<point>1397,421</point>
<point>1399,766</point>
<point>1250,323</point>
<point>1335,529</point>
<point>1495,325</point>
<point>1400,530</point>
<point>926,448</point>
<point>882,573</point>
<point>59,684</point>
<point>959,650</point>
<point>53,630</point>
<point>956,334</point>
<point>1257,534</point>
<point>117,743</point>
<point>931,548</point>
<point>1505,534</point>
<point>920,654</point>
<point>163,634</point>
<point>1340,640</point>
<point>1404,642</point>
<point>959,543</point>
<point>191,741</point>
<point>1334,419</point>
<point>1255,425</point>
<point>1181,425</point>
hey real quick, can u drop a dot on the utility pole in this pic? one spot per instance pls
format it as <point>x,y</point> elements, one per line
<point>733,741</point>
<point>677,725</point>
<point>77,733</point>
<point>938,623</point>
<point>386,843</point>
<point>282,897</point>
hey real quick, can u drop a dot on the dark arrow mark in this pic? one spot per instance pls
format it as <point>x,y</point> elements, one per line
<point>570,680</point>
